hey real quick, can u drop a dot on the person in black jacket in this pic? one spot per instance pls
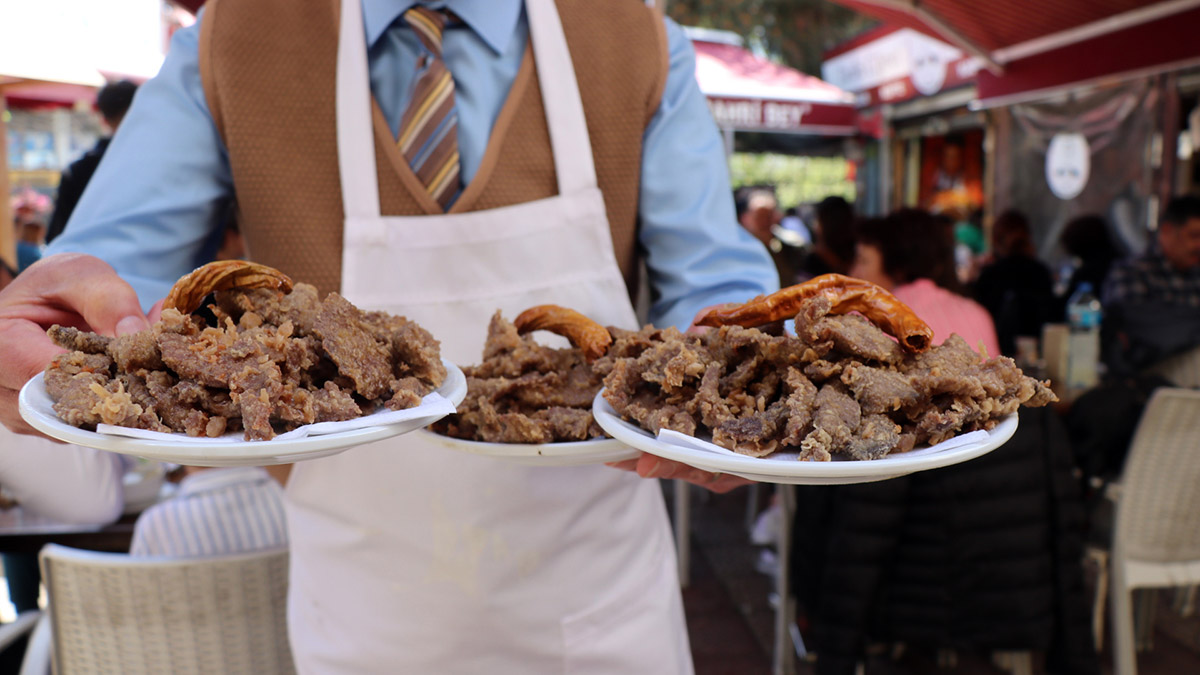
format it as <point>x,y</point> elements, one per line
<point>113,100</point>
<point>833,242</point>
<point>982,556</point>
<point>1087,240</point>
<point>1016,288</point>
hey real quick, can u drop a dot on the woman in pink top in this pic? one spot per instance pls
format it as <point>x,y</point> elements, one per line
<point>911,254</point>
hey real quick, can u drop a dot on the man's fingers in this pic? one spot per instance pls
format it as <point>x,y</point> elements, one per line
<point>649,466</point>
<point>27,350</point>
<point>11,418</point>
<point>108,304</point>
<point>71,289</point>
<point>624,465</point>
<point>726,482</point>
<point>155,312</point>
<point>75,283</point>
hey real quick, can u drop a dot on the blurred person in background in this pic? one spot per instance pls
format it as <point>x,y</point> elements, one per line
<point>217,511</point>
<point>113,100</point>
<point>30,242</point>
<point>1087,240</point>
<point>761,214</point>
<point>7,274</point>
<point>984,555</point>
<point>29,215</point>
<point>793,223</point>
<point>1152,302</point>
<point>1015,287</point>
<point>66,484</point>
<point>969,247</point>
<point>912,255</point>
<point>833,239</point>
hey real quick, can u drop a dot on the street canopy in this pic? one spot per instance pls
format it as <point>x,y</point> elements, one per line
<point>749,93</point>
<point>1029,48</point>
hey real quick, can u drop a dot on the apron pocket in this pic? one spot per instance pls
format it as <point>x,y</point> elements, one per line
<point>638,629</point>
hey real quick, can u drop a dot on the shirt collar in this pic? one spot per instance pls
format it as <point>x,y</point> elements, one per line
<point>216,479</point>
<point>492,20</point>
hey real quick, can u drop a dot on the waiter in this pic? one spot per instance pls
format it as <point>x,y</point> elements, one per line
<point>439,161</point>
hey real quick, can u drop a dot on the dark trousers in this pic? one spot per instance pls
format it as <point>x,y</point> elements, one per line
<point>24,578</point>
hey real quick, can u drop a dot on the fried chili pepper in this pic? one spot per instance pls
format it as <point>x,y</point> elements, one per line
<point>846,294</point>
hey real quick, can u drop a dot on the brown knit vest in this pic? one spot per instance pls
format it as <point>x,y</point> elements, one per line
<point>268,69</point>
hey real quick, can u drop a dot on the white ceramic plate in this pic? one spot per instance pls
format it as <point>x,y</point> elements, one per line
<point>783,467</point>
<point>573,453</point>
<point>38,409</point>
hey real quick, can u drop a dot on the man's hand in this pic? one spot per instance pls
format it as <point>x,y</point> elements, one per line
<point>697,329</point>
<point>69,289</point>
<point>649,466</point>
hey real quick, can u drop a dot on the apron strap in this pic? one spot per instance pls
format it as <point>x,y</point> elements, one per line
<point>560,96</point>
<point>355,140</point>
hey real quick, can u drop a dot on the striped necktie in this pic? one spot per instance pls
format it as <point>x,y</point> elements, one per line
<point>428,135</point>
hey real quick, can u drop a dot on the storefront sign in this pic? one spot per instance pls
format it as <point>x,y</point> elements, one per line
<point>753,114</point>
<point>1068,164</point>
<point>899,66</point>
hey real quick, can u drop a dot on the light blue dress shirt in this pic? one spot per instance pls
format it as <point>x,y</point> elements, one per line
<point>154,207</point>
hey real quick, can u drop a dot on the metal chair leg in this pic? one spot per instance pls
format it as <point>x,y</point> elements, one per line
<point>751,506</point>
<point>683,532</point>
<point>1124,656</point>
<point>1098,609</point>
<point>784,658</point>
<point>1145,607</point>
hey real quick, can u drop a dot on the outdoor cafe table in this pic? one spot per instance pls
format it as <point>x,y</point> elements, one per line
<point>22,532</point>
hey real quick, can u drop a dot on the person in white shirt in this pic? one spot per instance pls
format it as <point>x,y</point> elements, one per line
<point>216,512</point>
<point>66,483</point>
<point>58,483</point>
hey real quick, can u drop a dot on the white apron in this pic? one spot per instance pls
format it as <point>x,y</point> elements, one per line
<point>411,558</point>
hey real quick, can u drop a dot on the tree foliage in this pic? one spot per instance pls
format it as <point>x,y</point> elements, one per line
<point>795,32</point>
<point>795,180</point>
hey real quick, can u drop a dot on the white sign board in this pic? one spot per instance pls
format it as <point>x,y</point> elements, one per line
<point>1068,164</point>
<point>904,53</point>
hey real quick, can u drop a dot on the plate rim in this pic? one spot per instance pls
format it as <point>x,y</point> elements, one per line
<point>234,453</point>
<point>600,448</point>
<point>763,469</point>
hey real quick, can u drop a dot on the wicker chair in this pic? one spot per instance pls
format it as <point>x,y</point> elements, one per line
<point>1156,540</point>
<point>112,613</point>
<point>1182,370</point>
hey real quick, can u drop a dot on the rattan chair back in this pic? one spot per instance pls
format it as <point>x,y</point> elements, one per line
<point>112,613</point>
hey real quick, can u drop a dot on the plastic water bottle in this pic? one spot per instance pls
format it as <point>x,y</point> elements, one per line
<point>1083,354</point>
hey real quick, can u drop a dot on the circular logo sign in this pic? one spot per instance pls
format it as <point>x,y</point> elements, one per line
<point>1068,163</point>
<point>928,69</point>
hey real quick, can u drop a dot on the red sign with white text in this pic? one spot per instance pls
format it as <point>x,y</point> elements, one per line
<point>783,116</point>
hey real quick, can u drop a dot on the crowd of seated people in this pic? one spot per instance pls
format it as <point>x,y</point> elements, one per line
<point>899,561</point>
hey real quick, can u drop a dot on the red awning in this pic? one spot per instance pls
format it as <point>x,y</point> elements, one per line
<point>746,92</point>
<point>1030,46</point>
<point>1165,44</point>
